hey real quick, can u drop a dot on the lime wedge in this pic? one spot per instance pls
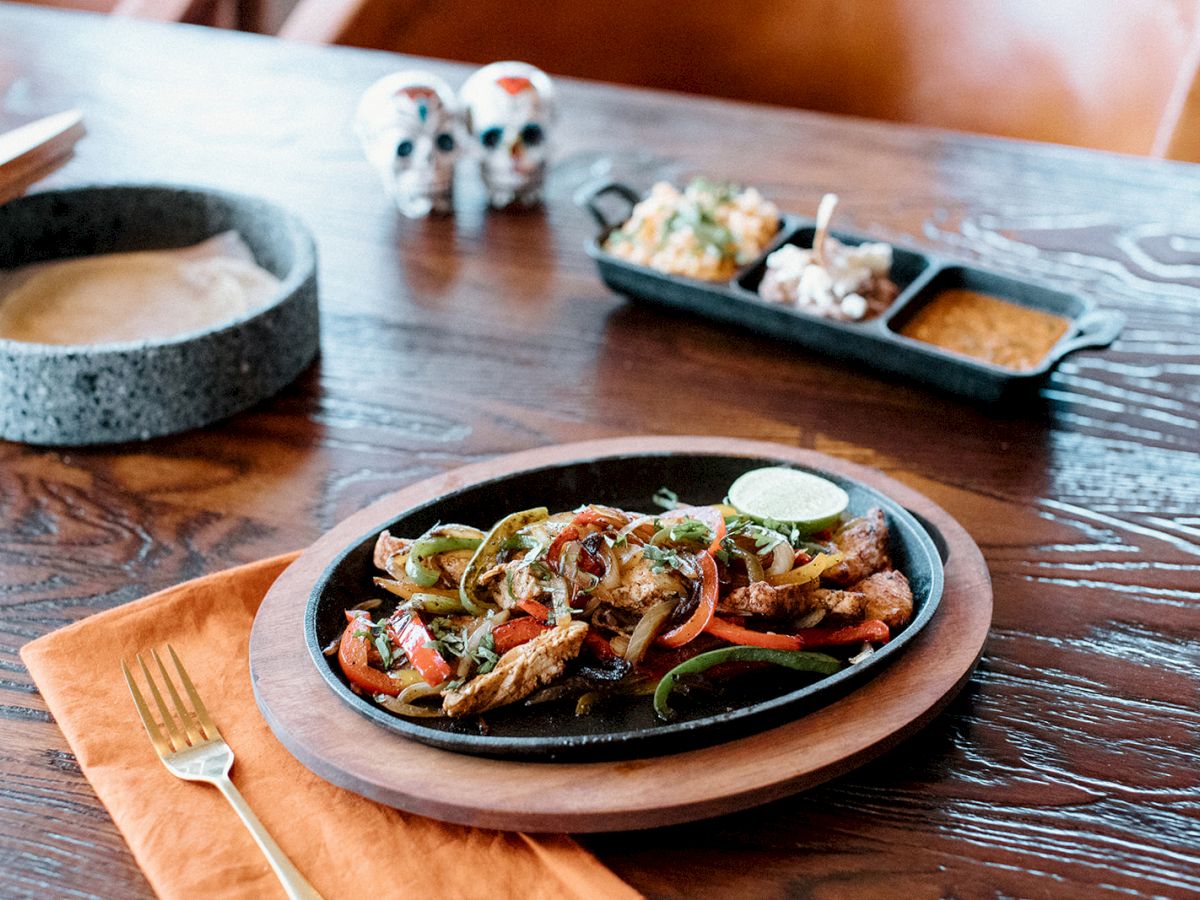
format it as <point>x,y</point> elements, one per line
<point>789,495</point>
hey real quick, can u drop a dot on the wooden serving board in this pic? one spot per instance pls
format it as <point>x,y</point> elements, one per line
<point>347,749</point>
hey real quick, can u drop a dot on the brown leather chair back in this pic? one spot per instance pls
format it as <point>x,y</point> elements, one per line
<point>1100,73</point>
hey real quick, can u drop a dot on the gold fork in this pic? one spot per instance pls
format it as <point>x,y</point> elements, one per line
<point>192,749</point>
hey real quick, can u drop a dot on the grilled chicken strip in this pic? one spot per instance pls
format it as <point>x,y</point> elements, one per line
<point>863,544</point>
<point>888,597</point>
<point>789,601</point>
<point>641,587</point>
<point>452,564</point>
<point>386,547</point>
<point>519,672</point>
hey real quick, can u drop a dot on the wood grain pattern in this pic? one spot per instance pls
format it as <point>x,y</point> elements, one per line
<point>344,747</point>
<point>1068,766</point>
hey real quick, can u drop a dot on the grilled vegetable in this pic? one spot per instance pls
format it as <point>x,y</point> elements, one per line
<point>485,555</point>
<point>703,614</point>
<point>439,540</point>
<point>801,661</point>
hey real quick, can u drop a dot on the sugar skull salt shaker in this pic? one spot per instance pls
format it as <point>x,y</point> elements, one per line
<point>409,128</point>
<point>509,112</point>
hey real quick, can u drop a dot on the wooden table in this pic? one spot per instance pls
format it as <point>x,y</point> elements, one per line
<point>1069,766</point>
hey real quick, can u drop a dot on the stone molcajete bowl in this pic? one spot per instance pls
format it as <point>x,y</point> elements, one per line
<point>77,394</point>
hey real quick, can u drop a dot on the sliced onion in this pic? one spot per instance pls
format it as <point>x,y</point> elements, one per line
<point>402,703</point>
<point>647,629</point>
<point>635,524</point>
<point>628,553</point>
<point>782,558</point>
<point>813,618</point>
<point>568,561</point>
<point>619,643</point>
<point>867,650</point>
<point>754,569</point>
<point>477,636</point>
<point>559,600</point>
<point>368,605</point>
<point>612,568</point>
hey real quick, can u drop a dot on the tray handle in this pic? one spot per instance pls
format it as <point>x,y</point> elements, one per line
<point>587,196</point>
<point>1098,328</point>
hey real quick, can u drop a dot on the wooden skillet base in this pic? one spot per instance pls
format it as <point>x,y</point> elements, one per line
<point>345,748</point>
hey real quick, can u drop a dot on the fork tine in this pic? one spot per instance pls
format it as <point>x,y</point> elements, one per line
<point>210,727</point>
<point>194,734</point>
<point>178,742</point>
<point>161,745</point>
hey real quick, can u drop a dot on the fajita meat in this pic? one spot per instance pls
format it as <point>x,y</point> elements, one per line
<point>519,672</point>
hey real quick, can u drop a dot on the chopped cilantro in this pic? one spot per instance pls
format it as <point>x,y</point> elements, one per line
<point>692,530</point>
<point>485,655</point>
<point>384,646</point>
<point>662,558</point>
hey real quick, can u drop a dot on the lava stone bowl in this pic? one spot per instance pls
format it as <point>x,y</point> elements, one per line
<point>107,393</point>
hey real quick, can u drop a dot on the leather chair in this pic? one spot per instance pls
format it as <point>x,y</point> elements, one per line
<point>1112,74</point>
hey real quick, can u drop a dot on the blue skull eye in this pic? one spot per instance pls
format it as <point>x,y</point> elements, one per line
<point>532,134</point>
<point>491,137</point>
<point>445,142</point>
<point>404,148</point>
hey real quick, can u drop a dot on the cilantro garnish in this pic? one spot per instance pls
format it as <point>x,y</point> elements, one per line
<point>692,530</point>
<point>662,558</point>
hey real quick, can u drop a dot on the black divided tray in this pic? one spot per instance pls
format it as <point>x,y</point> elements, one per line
<point>877,342</point>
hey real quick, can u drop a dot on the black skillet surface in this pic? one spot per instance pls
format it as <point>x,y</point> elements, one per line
<point>622,727</point>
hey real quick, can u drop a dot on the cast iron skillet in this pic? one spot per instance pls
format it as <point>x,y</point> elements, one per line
<point>621,728</point>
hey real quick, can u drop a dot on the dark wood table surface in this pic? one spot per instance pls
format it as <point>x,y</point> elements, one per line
<point>1068,767</point>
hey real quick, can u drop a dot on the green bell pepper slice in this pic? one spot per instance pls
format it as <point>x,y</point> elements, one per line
<point>800,660</point>
<point>486,552</point>
<point>417,566</point>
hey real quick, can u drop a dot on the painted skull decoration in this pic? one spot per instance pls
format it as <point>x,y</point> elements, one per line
<point>509,110</point>
<point>408,125</point>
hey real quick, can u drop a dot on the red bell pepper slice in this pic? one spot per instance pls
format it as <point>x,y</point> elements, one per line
<point>353,652</point>
<point>517,632</point>
<point>538,610</point>
<point>736,634</point>
<point>709,515</point>
<point>410,635</point>
<point>703,613</point>
<point>599,646</point>
<point>873,631</point>
<point>570,533</point>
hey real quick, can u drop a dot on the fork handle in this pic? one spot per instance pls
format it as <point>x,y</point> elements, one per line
<point>294,884</point>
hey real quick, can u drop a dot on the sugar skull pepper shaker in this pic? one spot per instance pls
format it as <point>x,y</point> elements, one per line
<point>509,112</point>
<point>408,125</point>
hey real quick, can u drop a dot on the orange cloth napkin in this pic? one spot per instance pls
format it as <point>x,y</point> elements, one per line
<point>186,837</point>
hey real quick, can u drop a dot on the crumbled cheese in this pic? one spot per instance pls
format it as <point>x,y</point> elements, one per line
<point>837,287</point>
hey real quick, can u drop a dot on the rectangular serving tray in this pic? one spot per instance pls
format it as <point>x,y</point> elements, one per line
<point>877,342</point>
